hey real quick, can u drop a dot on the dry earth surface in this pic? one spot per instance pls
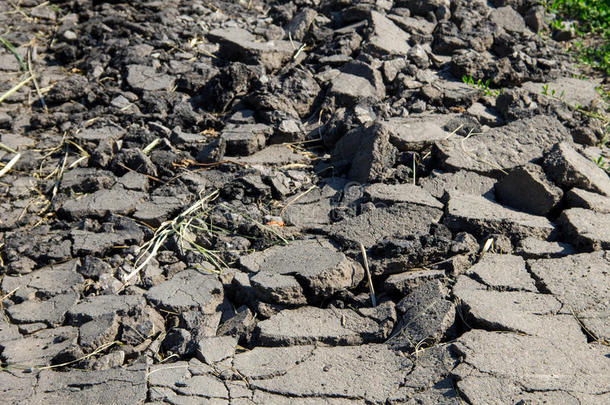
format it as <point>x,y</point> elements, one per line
<point>186,185</point>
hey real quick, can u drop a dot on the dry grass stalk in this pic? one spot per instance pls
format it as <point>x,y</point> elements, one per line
<point>10,164</point>
<point>368,274</point>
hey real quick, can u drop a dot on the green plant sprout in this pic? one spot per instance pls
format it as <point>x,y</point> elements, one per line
<point>557,24</point>
<point>12,50</point>
<point>592,24</point>
<point>601,164</point>
<point>546,91</point>
<point>482,85</point>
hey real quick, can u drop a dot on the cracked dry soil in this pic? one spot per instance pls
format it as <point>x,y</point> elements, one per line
<point>308,128</point>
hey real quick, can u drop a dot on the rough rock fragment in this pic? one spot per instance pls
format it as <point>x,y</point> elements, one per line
<point>141,77</point>
<point>419,56</point>
<point>538,369</point>
<point>401,193</point>
<point>105,133</point>
<point>368,153</point>
<point>573,91</point>
<point>246,139</point>
<point>528,189</point>
<point>188,290</point>
<point>508,19</point>
<point>392,67</point>
<point>44,282</point>
<point>158,209</point>
<point>370,227</point>
<point>42,247</point>
<point>423,7</point>
<point>587,229</point>
<point>386,38</point>
<point>138,328</point>
<point>278,288</point>
<point>239,326</point>
<point>405,282</point>
<point>51,311</point>
<point>121,386</point>
<point>536,18</point>
<point>97,332</point>
<point>88,243</point>
<point>300,23</point>
<point>474,63</point>
<point>417,132</point>
<point>485,115</point>
<point>292,95</point>
<point>480,216</point>
<point>109,361</point>
<point>213,151</point>
<point>98,306</point>
<point>87,180</point>
<point>186,140</point>
<point>426,316</point>
<point>571,169</point>
<point>578,198</point>
<point>288,131</point>
<point>439,183</point>
<point>331,326</point>
<point>133,159</point>
<point>450,93</point>
<point>237,44</point>
<point>314,209</point>
<point>72,87</point>
<point>580,283</point>
<point>213,349</point>
<point>38,348</point>
<point>358,82</point>
<point>502,272</point>
<point>532,248</point>
<point>323,372</point>
<point>200,325</point>
<point>102,202</point>
<point>273,155</point>
<point>503,148</point>
<point>283,271</point>
<point>521,311</point>
<point>420,29</point>
<point>400,253</point>
<point>178,341</point>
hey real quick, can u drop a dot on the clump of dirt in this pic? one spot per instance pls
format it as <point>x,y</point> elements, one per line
<point>252,201</point>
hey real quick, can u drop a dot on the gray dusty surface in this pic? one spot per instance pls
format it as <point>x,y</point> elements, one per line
<point>189,190</point>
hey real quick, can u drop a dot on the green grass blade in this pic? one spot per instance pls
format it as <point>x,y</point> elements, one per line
<point>12,49</point>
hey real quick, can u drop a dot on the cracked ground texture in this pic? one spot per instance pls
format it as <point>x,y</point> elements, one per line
<point>349,218</point>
